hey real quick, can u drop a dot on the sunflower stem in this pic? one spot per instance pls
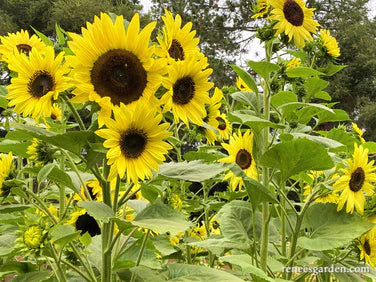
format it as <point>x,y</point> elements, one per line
<point>139,257</point>
<point>74,112</point>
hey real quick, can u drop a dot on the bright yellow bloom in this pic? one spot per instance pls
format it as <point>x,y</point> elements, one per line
<point>176,202</point>
<point>199,232</point>
<point>213,113</point>
<point>214,226</point>
<point>329,43</point>
<point>40,152</point>
<point>94,188</point>
<point>242,86</point>
<point>294,19</point>
<point>33,237</point>
<point>367,247</point>
<point>358,131</point>
<point>262,9</point>
<point>355,181</point>
<point>294,62</point>
<point>6,167</point>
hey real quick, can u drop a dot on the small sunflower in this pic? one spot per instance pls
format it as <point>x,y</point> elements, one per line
<point>319,176</point>
<point>176,202</point>
<point>199,232</point>
<point>84,222</point>
<point>213,113</point>
<point>135,142</point>
<point>262,9</point>
<point>176,43</point>
<point>294,19</point>
<point>294,62</point>
<point>242,86</point>
<point>112,65</point>
<point>40,80</point>
<point>94,188</point>
<point>240,152</point>
<point>20,41</point>
<point>329,43</point>
<point>358,131</point>
<point>356,179</point>
<point>176,239</point>
<point>214,226</point>
<point>40,152</point>
<point>367,246</point>
<point>224,127</point>
<point>188,88</point>
<point>6,169</point>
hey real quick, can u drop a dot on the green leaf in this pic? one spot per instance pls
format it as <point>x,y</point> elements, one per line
<point>150,192</point>
<point>194,171</point>
<point>322,95</point>
<point>244,262</point>
<point>98,210</point>
<point>248,98</point>
<point>338,115</point>
<point>314,85</point>
<point>297,155</point>
<point>334,230</point>
<point>263,69</point>
<point>288,107</point>
<point>246,77</point>
<point>16,147</point>
<point>332,69</point>
<point>18,267</point>
<point>187,272</point>
<point>302,72</point>
<point>161,218</point>
<point>44,38</point>
<point>252,121</point>
<point>283,97</point>
<point>63,234</point>
<point>44,172</point>
<point>13,208</point>
<point>3,90</point>
<point>220,243</point>
<point>32,276</point>
<point>371,146</point>
<point>3,102</point>
<point>85,239</point>
<point>327,142</point>
<point>207,156</point>
<point>146,274</point>
<point>258,193</point>
<point>59,34</point>
<point>342,137</point>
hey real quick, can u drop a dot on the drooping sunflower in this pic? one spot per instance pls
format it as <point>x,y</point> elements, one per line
<point>112,65</point>
<point>358,131</point>
<point>294,19</point>
<point>6,168</point>
<point>224,126</point>
<point>367,247</point>
<point>95,190</point>
<point>294,62</point>
<point>176,43</point>
<point>212,114</point>
<point>329,43</point>
<point>135,139</point>
<point>262,9</point>
<point>356,179</point>
<point>20,41</point>
<point>40,152</point>
<point>40,80</point>
<point>188,88</point>
<point>84,222</point>
<point>240,151</point>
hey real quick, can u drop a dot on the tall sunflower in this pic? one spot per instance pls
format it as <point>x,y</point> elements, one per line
<point>113,65</point>
<point>356,179</point>
<point>176,43</point>
<point>329,43</point>
<point>188,88</point>
<point>135,142</point>
<point>240,151</point>
<point>40,80</point>
<point>367,247</point>
<point>213,113</point>
<point>294,19</point>
<point>20,41</point>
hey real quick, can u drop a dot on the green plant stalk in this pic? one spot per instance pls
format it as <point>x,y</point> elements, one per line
<point>207,223</point>
<point>139,257</point>
<point>75,268</point>
<point>86,265</point>
<point>283,222</point>
<point>74,112</point>
<point>59,273</point>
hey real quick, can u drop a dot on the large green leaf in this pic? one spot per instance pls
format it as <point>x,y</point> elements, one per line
<point>187,272</point>
<point>331,229</point>
<point>147,274</point>
<point>246,77</point>
<point>98,210</point>
<point>338,115</point>
<point>248,98</point>
<point>283,97</point>
<point>289,107</point>
<point>161,218</point>
<point>302,72</point>
<point>297,155</point>
<point>191,171</point>
<point>332,69</point>
<point>13,208</point>
<point>16,147</point>
<point>263,69</point>
<point>64,234</point>
<point>32,276</point>
<point>252,121</point>
<point>314,85</point>
<point>258,193</point>
<point>327,142</point>
<point>215,243</point>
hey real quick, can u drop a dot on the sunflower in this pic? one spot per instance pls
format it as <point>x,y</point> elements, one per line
<point>135,142</point>
<point>94,188</point>
<point>356,179</point>
<point>294,19</point>
<point>367,246</point>
<point>20,41</point>
<point>214,226</point>
<point>318,176</point>
<point>240,152</point>
<point>199,232</point>
<point>84,222</point>
<point>224,127</point>
<point>6,168</point>
<point>213,113</point>
<point>40,152</point>
<point>40,80</point>
<point>176,202</point>
<point>176,43</point>
<point>358,131</point>
<point>261,9</point>
<point>112,65</point>
<point>187,93</point>
<point>294,62</point>
<point>329,43</point>
<point>242,86</point>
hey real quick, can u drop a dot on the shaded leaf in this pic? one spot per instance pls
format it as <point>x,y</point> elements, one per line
<point>263,69</point>
<point>98,210</point>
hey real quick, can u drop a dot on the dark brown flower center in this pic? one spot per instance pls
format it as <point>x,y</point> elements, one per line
<point>357,180</point>
<point>87,223</point>
<point>24,48</point>
<point>367,247</point>
<point>40,84</point>
<point>119,74</point>
<point>215,224</point>
<point>132,143</point>
<point>183,90</point>
<point>243,159</point>
<point>293,13</point>
<point>176,50</point>
<point>222,123</point>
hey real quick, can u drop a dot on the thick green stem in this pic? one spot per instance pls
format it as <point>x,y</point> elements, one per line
<point>143,245</point>
<point>60,273</point>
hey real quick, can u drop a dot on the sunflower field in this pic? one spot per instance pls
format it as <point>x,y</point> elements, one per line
<point>122,161</point>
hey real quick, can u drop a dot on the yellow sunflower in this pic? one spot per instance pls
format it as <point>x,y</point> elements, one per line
<point>84,222</point>
<point>262,9</point>
<point>242,86</point>
<point>367,247</point>
<point>330,43</point>
<point>329,197</point>
<point>199,232</point>
<point>135,142</point>
<point>240,152</point>
<point>6,168</point>
<point>358,131</point>
<point>177,43</point>
<point>95,190</point>
<point>188,88</point>
<point>40,152</point>
<point>356,179</point>
<point>112,65</point>
<point>20,41</point>
<point>294,19</point>
<point>294,62</point>
<point>213,113</point>
<point>40,80</point>
<point>214,226</point>
<point>224,127</point>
